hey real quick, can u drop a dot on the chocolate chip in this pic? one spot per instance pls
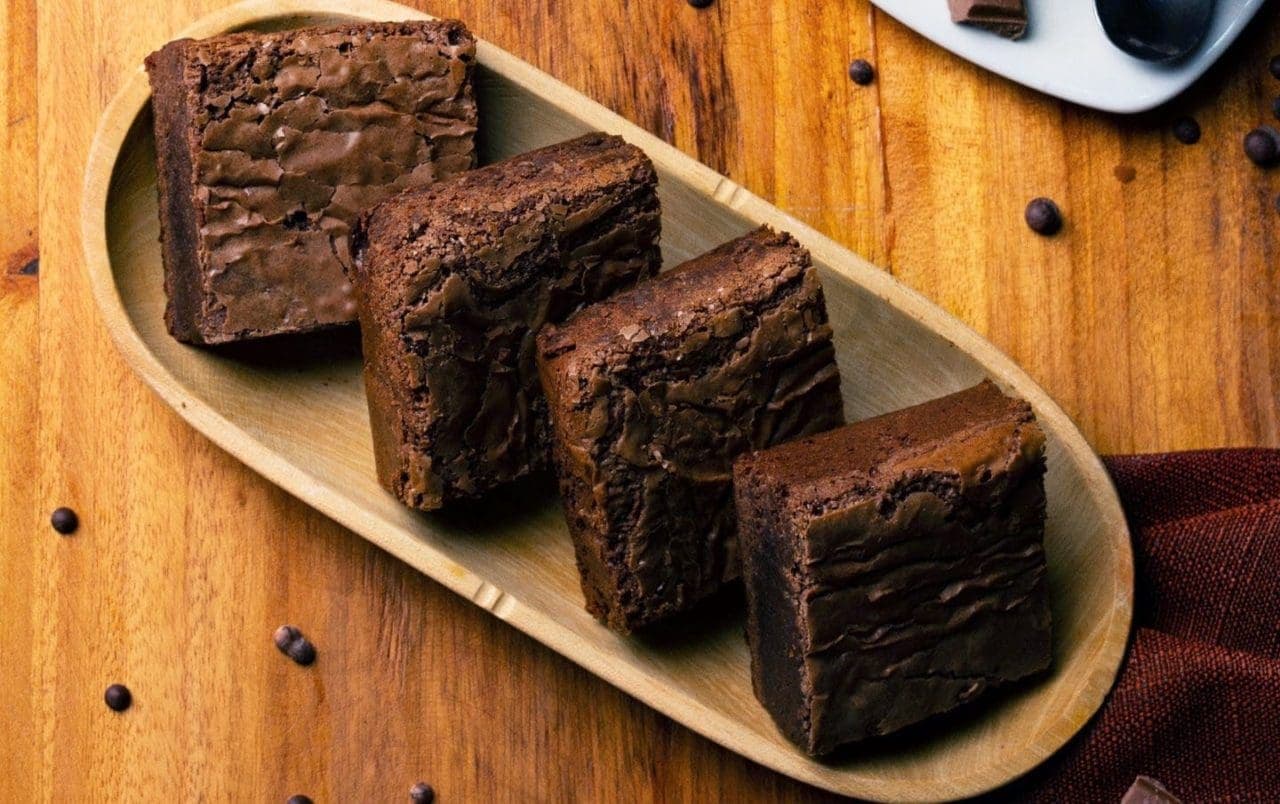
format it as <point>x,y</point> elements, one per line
<point>1274,66</point>
<point>298,799</point>
<point>118,697</point>
<point>1187,130</point>
<point>302,651</point>
<point>1275,108</point>
<point>1262,145</point>
<point>422,793</point>
<point>1125,173</point>
<point>700,3</point>
<point>1044,217</point>
<point>293,644</point>
<point>64,521</point>
<point>861,72</point>
<point>285,636</point>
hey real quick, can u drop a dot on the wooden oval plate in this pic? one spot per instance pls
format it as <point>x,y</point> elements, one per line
<point>300,420</point>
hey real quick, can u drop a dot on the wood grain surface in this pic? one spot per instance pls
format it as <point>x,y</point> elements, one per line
<point>1152,319</point>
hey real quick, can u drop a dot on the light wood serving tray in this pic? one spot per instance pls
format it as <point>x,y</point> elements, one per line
<point>303,424</point>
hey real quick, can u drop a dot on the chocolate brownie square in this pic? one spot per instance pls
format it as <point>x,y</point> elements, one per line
<point>895,567</point>
<point>1008,18</point>
<point>270,144</point>
<point>655,391</point>
<point>453,282</point>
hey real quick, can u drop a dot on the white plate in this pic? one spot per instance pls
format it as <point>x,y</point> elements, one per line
<point>1067,54</point>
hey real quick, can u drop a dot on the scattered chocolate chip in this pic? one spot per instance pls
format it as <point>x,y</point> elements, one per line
<point>298,799</point>
<point>64,521</point>
<point>1275,108</point>
<point>700,3</point>
<point>861,72</point>
<point>1262,145</point>
<point>285,636</point>
<point>32,268</point>
<point>302,651</point>
<point>1044,217</point>
<point>118,697</point>
<point>1274,67</point>
<point>422,793</point>
<point>1186,130</point>
<point>1125,173</point>
<point>293,644</point>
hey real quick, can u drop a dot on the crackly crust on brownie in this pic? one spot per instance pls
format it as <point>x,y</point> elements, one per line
<point>455,280</point>
<point>269,146</point>
<point>895,567</point>
<point>652,395</point>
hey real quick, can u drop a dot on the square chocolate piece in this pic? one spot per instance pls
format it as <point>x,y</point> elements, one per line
<point>1008,18</point>
<point>895,567</point>
<point>655,392</point>
<point>454,280</point>
<point>270,145</point>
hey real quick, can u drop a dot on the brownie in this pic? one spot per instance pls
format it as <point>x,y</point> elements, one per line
<point>269,146</point>
<point>895,568</point>
<point>1008,18</point>
<point>455,279</point>
<point>652,395</point>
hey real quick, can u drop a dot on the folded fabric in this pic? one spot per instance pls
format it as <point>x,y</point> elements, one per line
<point>1197,702</point>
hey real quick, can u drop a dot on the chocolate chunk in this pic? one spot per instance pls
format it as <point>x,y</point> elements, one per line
<point>1008,18</point>
<point>64,521</point>
<point>1186,130</point>
<point>422,793</point>
<point>861,72</point>
<point>1274,67</point>
<point>118,697</point>
<point>1125,173</point>
<point>455,279</point>
<point>1044,217</point>
<point>1275,108</point>
<point>270,144</point>
<point>660,388</point>
<point>292,643</point>
<point>895,568</point>
<point>1262,145</point>
<point>298,799</point>
<point>1146,790</point>
<point>701,3</point>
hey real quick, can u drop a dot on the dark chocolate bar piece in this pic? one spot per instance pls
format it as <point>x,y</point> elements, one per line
<point>455,279</point>
<point>895,568</point>
<point>653,394</point>
<point>1008,18</point>
<point>269,145</point>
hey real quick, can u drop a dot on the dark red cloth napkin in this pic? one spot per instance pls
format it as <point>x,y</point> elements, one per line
<point>1197,702</point>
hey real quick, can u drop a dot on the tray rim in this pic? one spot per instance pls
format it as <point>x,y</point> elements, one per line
<point>107,144</point>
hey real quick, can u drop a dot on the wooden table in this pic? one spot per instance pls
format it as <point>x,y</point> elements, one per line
<point>1152,319</point>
